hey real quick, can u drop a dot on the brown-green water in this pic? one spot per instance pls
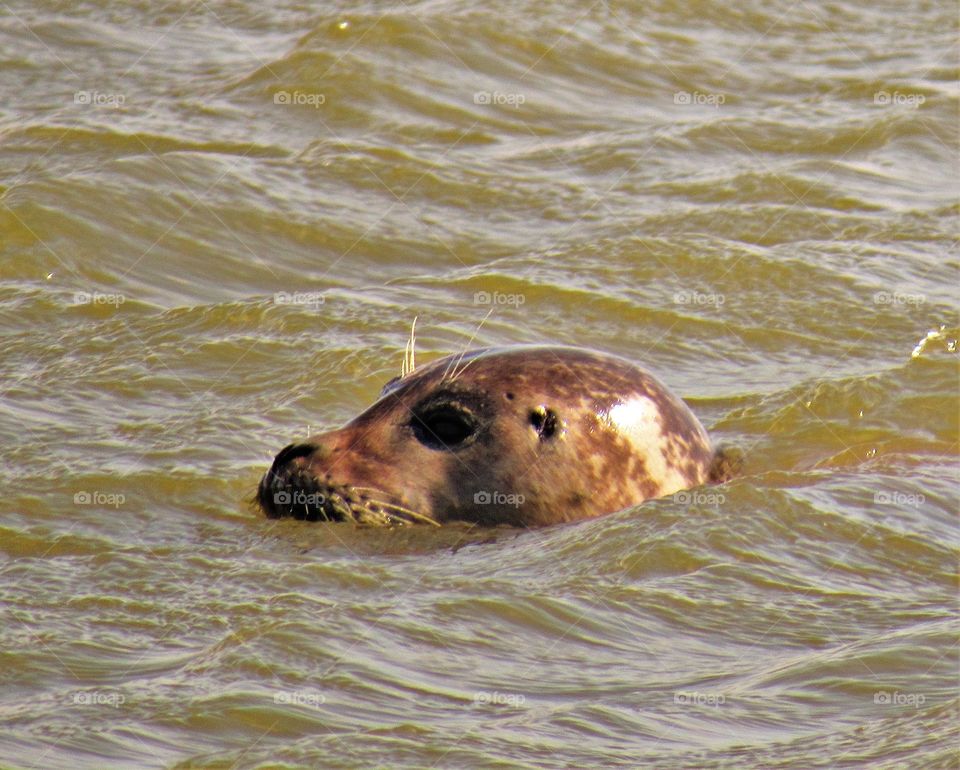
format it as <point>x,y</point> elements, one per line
<point>758,202</point>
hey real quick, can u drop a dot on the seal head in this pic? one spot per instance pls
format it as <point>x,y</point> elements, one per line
<point>525,436</point>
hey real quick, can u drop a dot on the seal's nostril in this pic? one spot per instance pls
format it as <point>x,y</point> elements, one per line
<point>292,452</point>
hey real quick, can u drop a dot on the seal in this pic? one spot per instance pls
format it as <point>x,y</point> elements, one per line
<point>519,435</point>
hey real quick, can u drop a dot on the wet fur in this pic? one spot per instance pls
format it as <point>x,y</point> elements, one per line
<point>374,471</point>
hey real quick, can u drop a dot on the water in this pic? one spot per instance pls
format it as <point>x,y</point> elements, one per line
<point>217,224</point>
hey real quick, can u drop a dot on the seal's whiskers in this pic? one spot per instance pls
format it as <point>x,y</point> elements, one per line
<point>407,512</point>
<point>409,363</point>
<point>451,369</point>
<point>399,508</point>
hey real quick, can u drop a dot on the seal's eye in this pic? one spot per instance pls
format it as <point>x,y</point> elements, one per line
<point>443,427</point>
<point>544,421</point>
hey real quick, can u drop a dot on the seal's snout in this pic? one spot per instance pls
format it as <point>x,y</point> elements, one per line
<point>288,489</point>
<point>300,485</point>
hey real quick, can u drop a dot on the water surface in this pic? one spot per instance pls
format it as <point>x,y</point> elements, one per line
<point>217,222</point>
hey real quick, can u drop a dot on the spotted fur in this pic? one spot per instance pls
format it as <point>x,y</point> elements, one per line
<point>555,434</point>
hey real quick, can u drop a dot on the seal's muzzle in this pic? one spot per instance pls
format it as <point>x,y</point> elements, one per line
<point>291,489</point>
<point>287,489</point>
